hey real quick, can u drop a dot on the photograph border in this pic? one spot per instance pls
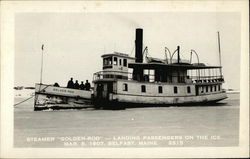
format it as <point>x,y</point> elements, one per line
<point>10,8</point>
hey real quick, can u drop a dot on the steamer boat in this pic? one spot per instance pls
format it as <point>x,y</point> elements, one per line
<point>137,81</point>
<point>132,82</point>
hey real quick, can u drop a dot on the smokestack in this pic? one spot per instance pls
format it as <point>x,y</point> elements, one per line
<point>138,45</point>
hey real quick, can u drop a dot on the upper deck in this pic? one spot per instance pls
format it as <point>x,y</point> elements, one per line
<point>121,66</point>
<point>174,66</point>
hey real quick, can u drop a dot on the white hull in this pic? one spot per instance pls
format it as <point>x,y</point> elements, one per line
<point>168,100</point>
<point>122,101</point>
<point>133,94</point>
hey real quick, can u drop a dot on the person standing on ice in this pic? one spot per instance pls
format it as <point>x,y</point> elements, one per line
<point>82,86</point>
<point>76,85</point>
<point>87,85</point>
<point>70,83</point>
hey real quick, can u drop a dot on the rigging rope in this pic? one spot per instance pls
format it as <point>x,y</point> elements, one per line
<point>24,100</point>
<point>132,50</point>
<point>31,96</point>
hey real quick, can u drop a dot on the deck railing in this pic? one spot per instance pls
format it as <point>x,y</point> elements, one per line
<point>152,78</point>
<point>112,75</point>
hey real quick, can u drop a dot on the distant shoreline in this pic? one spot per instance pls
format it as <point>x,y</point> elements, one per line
<point>233,92</point>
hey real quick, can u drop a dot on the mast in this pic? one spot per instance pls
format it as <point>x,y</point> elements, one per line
<point>219,52</point>
<point>41,73</point>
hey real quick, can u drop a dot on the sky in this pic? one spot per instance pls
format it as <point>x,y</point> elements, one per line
<point>74,42</point>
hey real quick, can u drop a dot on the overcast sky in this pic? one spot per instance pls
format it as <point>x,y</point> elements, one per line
<point>74,42</point>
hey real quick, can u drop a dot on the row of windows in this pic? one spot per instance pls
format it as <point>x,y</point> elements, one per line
<point>108,61</point>
<point>120,62</point>
<point>211,88</point>
<point>160,90</point>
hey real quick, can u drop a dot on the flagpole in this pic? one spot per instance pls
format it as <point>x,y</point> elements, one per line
<point>219,53</point>
<point>41,73</point>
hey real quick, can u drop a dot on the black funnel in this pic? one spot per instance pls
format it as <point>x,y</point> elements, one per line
<point>138,45</point>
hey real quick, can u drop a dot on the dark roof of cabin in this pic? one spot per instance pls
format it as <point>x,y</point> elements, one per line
<point>118,54</point>
<point>170,66</point>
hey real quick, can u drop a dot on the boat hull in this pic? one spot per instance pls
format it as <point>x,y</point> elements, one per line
<point>51,97</point>
<point>121,101</point>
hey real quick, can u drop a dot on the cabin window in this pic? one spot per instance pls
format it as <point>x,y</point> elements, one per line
<point>218,87</point>
<point>143,88</point>
<point>125,87</point>
<point>110,61</point>
<point>175,90</point>
<point>115,60</point>
<point>107,61</point>
<point>211,88</point>
<point>120,62</point>
<point>125,62</point>
<point>202,89</point>
<point>215,88</point>
<point>206,88</point>
<point>160,89</point>
<point>188,89</point>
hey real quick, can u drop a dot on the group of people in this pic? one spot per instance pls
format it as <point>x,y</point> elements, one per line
<point>76,85</point>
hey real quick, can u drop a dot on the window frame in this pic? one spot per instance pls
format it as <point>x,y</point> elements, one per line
<point>115,62</point>
<point>125,87</point>
<point>206,88</point>
<point>110,60</point>
<point>160,90</point>
<point>120,62</point>
<point>188,89</point>
<point>175,90</point>
<point>143,89</point>
<point>125,62</point>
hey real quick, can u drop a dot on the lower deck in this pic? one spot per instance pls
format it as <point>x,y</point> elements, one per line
<point>126,91</point>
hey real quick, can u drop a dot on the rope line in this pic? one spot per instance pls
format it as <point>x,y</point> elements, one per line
<point>31,96</point>
<point>24,100</point>
<point>132,50</point>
